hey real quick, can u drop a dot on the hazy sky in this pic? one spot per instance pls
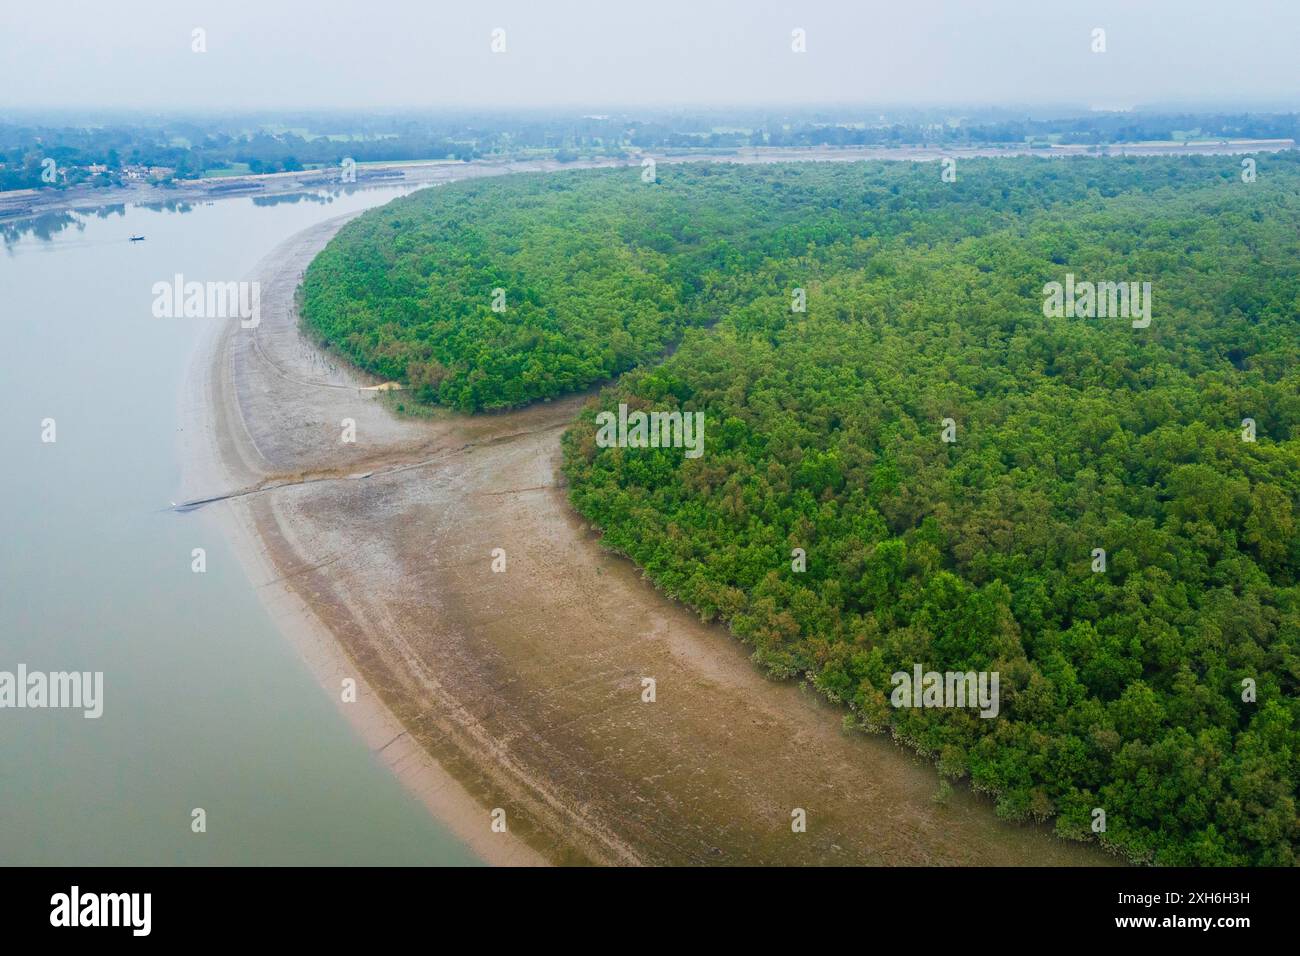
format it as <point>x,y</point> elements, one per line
<point>430,53</point>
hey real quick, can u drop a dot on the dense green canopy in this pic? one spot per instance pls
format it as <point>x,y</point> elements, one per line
<point>1121,689</point>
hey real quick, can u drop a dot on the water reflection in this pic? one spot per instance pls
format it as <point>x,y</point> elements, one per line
<point>168,205</point>
<point>46,227</point>
<point>319,196</point>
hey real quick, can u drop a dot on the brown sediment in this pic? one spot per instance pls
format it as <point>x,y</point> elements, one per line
<point>522,689</point>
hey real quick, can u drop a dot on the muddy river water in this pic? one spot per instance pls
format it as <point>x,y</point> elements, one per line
<point>205,705</point>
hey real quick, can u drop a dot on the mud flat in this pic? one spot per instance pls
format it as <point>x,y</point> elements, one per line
<point>522,689</point>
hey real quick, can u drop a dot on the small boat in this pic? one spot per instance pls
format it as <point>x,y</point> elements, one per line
<point>137,238</point>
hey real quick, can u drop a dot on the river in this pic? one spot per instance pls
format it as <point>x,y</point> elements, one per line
<point>206,706</point>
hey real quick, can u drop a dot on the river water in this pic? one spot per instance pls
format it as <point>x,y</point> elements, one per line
<point>205,704</point>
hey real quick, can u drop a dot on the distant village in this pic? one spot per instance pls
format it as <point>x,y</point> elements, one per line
<point>92,174</point>
<point>146,173</point>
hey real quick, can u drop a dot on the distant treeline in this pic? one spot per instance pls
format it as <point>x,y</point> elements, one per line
<point>193,153</point>
<point>194,147</point>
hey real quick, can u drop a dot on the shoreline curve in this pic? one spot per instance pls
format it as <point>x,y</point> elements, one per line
<point>522,690</point>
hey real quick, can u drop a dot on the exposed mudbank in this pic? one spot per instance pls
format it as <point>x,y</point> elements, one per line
<point>520,689</point>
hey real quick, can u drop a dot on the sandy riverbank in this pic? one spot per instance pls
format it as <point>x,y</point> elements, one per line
<point>218,453</point>
<point>522,689</point>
